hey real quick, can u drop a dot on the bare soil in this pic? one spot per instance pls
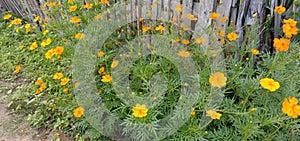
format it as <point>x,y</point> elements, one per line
<point>12,127</point>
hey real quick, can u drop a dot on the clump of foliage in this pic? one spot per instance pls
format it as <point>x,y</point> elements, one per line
<point>257,90</point>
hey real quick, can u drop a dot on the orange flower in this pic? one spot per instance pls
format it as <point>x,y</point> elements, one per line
<point>199,40</point>
<point>102,69</point>
<point>140,111</point>
<point>64,81</point>
<point>213,114</point>
<point>224,19</point>
<point>58,75</point>
<point>185,42</point>
<point>58,50</point>
<point>281,44</point>
<point>145,28</point>
<point>103,2</point>
<point>114,64</point>
<point>17,68</point>
<point>38,82</point>
<point>73,8</point>
<point>100,54</point>
<point>290,28</point>
<point>184,53</point>
<point>254,51</point>
<point>78,112</point>
<point>222,41</point>
<point>49,54</point>
<point>221,33</point>
<point>217,79</point>
<point>87,6</point>
<point>214,15</point>
<point>79,35</point>
<point>33,46</point>
<point>99,16</point>
<point>7,16</point>
<point>270,84</point>
<point>279,9</point>
<point>290,107</point>
<point>106,78</point>
<point>189,16</point>
<point>46,42</point>
<point>232,36</point>
<point>193,113</point>
<point>75,20</point>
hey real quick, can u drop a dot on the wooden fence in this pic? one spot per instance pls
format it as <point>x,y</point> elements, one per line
<point>239,12</point>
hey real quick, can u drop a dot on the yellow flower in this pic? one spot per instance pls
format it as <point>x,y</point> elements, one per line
<point>214,15</point>
<point>46,42</point>
<point>49,54</point>
<point>70,1</point>
<point>179,8</point>
<point>16,22</point>
<point>185,42</point>
<point>7,16</point>
<point>114,64</point>
<point>184,53</point>
<point>58,75</point>
<point>102,69</point>
<point>106,78</point>
<point>38,82</point>
<point>73,8</point>
<point>64,81</point>
<point>254,51</point>
<point>27,25</point>
<point>65,90</point>
<point>199,40</point>
<point>87,6</point>
<point>42,87</point>
<point>36,18</point>
<point>58,50</point>
<point>33,46</point>
<point>281,44</point>
<point>78,112</point>
<point>270,84</point>
<point>100,54</point>
<point>139,110</point>
<point>232,36</point>
<point>45,32</point>
<point>213,114</point>
<point>290,22</point>
<point>17,68</point>
<point>224,19</point>
<point>21,47</point>
<point>79,35</point>
<point>160,27</point>
<point>75,20</point>
<point>290,107</point>
<point>103,2</point>
<point>217,79</point>
<point>279,9</point>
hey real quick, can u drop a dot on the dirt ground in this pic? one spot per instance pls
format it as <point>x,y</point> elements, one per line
<point>12,127</point>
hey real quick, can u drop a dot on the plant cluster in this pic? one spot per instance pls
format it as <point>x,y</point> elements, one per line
<point>259,90</point>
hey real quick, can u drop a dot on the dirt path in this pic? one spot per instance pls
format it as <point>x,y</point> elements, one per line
<point>12,127</point>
